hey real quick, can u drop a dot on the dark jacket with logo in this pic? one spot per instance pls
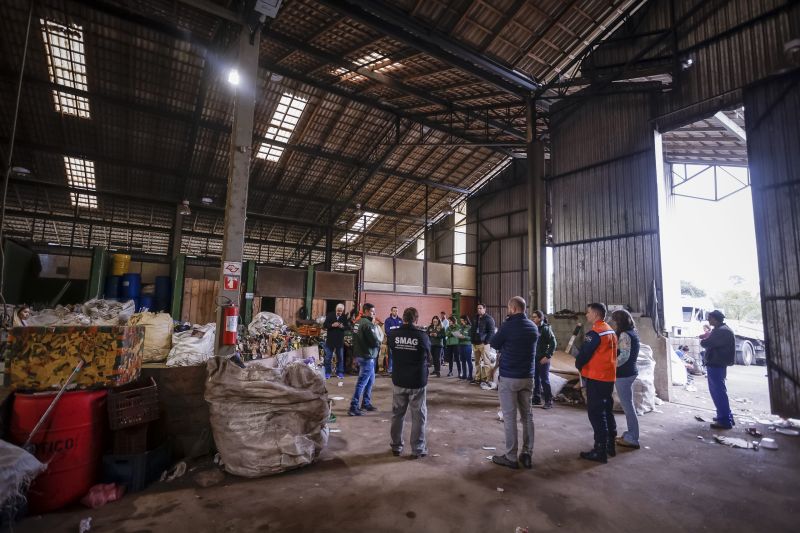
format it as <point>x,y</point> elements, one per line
<point>410,348</point>
<point>482,329</point>
<point>335,337</point>
<point>720,347</point>
<point>516,341</point>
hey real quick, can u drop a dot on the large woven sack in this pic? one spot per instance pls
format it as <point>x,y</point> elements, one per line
<point>266,420</point>
<point>157,335</point>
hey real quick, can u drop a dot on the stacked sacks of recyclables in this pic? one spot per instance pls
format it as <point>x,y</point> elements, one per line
<point>269,416</point>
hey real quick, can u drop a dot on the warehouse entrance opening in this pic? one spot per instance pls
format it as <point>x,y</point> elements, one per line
<point>709,258</point>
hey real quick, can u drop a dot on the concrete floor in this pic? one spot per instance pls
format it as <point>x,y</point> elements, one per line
<point>747,388</point>
<point>680,483</point>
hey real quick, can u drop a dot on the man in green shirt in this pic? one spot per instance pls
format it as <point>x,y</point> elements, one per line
<point>366,346</point>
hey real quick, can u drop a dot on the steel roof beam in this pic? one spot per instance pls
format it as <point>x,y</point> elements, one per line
<point>406,29</point>
<point>388,81</point>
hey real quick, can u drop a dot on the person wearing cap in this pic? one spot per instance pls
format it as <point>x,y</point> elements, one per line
<point>720,349</point>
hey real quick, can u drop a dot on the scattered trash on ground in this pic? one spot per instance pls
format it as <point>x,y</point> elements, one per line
<point>733,442</point>
<point>690,388</point>
<point>556,451</point>
<point>789,432</point>
<point>700,437</point>
<point>647,447</point>
<point>489,448</point>
<point>500,489</point>
<point>769,443</point>
<point>85,525</point>
<point>436,455</point>
<point>488,457</point>
<point>209,478</point>
<point>336,431</point>
<point>521,529</point>
<point>384,420</point>
<point>101,494</point>
<point>341,384</point>
<point>446,444</point>
<point>175,472</point>
<point>500,415</point>
<point>700,418</point>
<point>754,432</point>
<point>337,398</point>
<point>218,460</point>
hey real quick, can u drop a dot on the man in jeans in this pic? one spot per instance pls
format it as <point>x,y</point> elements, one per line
<point>336,324</point>
<point>366,344</point>
<point>516,343</point>
<point>720,354</point>
<point>481,335</point>
<point>411,349</point>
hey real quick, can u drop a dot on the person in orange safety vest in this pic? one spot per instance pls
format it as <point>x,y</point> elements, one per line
<point>597,362</point>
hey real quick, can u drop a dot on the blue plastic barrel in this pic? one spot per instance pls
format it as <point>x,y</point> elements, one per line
<point>111,290</point>
<point>130,286</point>
<point>162,299</point>
<point>146,302</point>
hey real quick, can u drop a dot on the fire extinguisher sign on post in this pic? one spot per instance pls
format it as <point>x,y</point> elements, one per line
<point>231,322</point>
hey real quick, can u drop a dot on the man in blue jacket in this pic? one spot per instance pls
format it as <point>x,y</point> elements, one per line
<point>720,354</point>
<point>391,323</point>
<point>516,343</point>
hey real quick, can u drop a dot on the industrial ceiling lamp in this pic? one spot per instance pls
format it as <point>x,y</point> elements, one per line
<point>233,77</point>
<point>184,208</point>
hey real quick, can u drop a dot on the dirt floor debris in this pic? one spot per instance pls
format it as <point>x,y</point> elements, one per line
<point>769,443</point>
<point>789,432</point>
<point>101,494</point>
<point>86,525</point>
<point>733,442</point>
<point>209,478</point>
<point>179,470</point>
<point>489,448</point>
<point>754,432</point>
<point>500,489</point>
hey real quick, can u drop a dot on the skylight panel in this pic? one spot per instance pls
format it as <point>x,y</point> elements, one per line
<point>66,64</point>
<point>80,174</point>
<point>373,61</point>
<point>361,224</point>
<point>283,122</point>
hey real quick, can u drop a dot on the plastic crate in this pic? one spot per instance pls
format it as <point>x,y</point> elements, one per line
<point>136,471</point>
<point>131,440</point>
<point>133,407</point>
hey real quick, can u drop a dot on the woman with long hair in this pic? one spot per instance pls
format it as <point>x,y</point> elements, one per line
<point>544,352</point>
<point>465,348</point>
<point>451,353</point>
<point>627,354</point>
<point>436,334</point>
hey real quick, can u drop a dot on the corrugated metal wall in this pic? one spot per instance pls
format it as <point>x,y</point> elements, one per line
<point>499,214</point>
<point>604,200</point>
<point>773,144</point>
<point>731,43</point>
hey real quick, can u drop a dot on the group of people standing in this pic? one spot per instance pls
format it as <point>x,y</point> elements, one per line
<point>607,360</point>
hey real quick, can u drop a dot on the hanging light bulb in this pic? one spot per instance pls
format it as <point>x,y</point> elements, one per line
<point>233,77</point>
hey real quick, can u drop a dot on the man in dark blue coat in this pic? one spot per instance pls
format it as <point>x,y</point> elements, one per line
<point>516,343</point>
<point>720,354</point>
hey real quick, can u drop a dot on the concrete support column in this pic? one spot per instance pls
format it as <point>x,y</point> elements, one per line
<point>537,263</point>
<point>239,172</point>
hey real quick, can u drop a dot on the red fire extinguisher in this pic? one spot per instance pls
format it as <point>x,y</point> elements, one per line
<point>230,315</point>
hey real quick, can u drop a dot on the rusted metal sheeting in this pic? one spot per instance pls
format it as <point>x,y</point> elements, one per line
<point>604,203</point>
<point>773,133</point>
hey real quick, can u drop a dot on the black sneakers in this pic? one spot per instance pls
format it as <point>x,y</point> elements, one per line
<point>503,461</point>
<point>525,461</point>
<point>597,454</point>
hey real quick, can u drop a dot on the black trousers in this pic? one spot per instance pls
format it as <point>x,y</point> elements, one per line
<point>541,381</point>
<point>600,404</point>
<point>436,355</point>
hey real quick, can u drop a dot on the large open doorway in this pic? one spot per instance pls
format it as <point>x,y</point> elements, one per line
<point>709,258</point>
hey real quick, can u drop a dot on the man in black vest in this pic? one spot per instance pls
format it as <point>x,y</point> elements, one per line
<point>411,350</point>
